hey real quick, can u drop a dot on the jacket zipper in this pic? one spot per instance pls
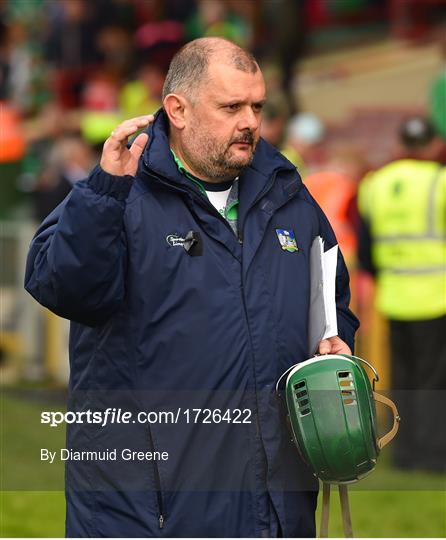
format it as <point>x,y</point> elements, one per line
<point>259,433</point>
<point>245,310</point>
<point>203,202</point>
<point>159,493</point>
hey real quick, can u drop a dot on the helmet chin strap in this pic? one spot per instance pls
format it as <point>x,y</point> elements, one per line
<point>345,511</point>
<point>343,489</point>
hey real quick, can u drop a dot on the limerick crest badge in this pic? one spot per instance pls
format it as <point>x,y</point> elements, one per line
<point>287,240</point>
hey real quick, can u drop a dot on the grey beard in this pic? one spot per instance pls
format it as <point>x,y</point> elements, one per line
<point>220,170</point>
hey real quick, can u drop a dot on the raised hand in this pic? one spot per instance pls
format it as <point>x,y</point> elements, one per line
<point>116,158</point>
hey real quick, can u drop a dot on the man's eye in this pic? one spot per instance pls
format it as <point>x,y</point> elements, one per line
<point>234,107</point>
<point>257,107</point>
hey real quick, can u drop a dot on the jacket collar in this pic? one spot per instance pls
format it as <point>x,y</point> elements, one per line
<point>158,158</point>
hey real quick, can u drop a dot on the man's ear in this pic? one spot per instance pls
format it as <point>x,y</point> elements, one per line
<point>175,107</point>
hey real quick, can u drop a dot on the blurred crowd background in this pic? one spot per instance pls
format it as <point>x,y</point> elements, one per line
<point>343,76</point>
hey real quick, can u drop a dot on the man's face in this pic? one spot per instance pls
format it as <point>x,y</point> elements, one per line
<point>223,125</point>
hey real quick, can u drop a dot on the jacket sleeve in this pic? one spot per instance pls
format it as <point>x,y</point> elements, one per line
<point>347,322</point>
<point>77,259</point>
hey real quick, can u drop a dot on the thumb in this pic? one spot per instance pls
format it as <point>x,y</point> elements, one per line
<point>325,347</point>
<point>138,145</point>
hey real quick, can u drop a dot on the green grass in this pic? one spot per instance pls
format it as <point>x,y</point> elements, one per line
<point>32,502</point>
<point>388,503</point>
<point>410,514</point>
<point>32,514</point>
<point>391,514</point>
<point>22,437</point>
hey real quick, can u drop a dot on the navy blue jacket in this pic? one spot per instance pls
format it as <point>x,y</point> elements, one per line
<point>158,328</point>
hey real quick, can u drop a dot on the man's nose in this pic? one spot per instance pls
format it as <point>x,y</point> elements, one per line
<point>248,120</point>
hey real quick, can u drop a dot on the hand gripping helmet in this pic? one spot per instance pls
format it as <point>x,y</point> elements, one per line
<point>331,406</point>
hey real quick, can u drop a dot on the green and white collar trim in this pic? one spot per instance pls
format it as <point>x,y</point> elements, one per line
<point>231,209</point>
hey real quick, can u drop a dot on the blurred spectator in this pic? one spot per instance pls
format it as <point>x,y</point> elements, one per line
<point>23,73</point>
<point>157,42</point>
<point>285,23</point>
<point>305,142</point>
<point>69,160</point>
<point>335,188</point>
<point>275,116</point>
<point>214,18</point>
<point>115,47</point>
<point>101,92</point>
<point>18,59</point>
<point>402,245</point>
<point>108,99</point>
<point>106,104</point>
<point>143,95</point>
<point>100,107</point>
<point>71,49</point>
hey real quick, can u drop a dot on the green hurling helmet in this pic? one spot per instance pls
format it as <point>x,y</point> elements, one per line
<point>331,406</point>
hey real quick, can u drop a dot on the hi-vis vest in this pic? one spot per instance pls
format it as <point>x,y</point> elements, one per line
<point>405,206</point>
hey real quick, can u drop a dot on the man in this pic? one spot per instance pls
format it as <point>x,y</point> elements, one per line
<point>168,262</point>
<point>402,244</point>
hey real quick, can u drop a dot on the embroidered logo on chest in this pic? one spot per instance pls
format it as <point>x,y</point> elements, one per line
<point>287,240</point>
<point>175,240</point>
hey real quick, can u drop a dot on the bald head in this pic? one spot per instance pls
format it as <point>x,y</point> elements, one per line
<point>189,67</point>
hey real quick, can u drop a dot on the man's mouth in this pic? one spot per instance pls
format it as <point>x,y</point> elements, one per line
<point>248,140</point>
<point>243,143</point>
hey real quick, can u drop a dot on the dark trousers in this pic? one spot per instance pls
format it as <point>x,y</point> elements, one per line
<point>418,353</point>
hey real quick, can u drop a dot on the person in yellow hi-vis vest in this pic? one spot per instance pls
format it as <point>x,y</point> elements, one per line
<point>403,244</point>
